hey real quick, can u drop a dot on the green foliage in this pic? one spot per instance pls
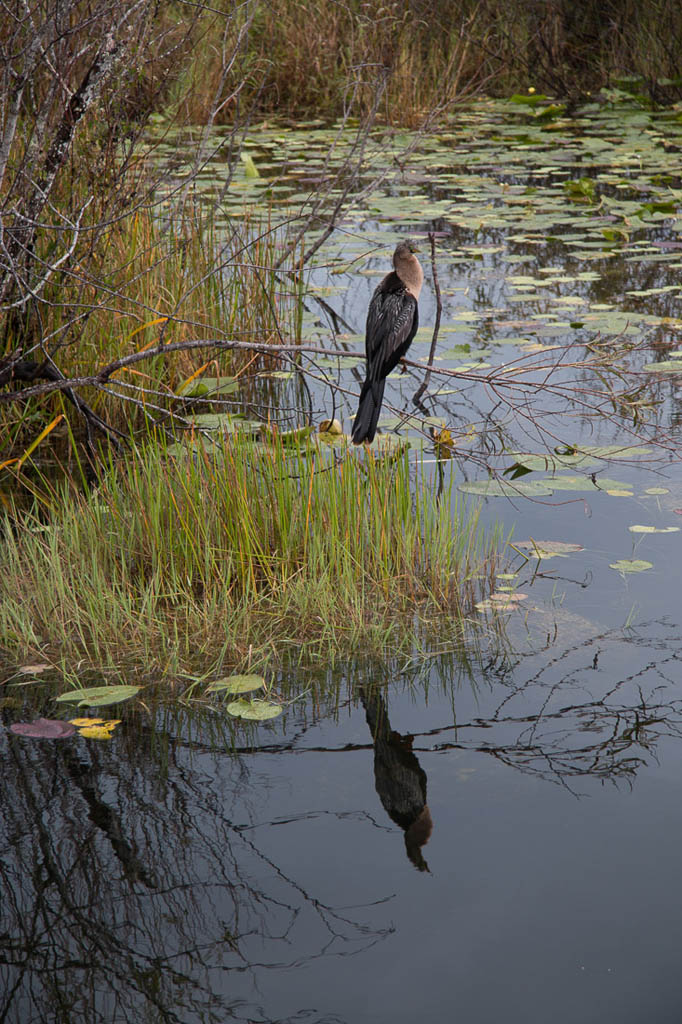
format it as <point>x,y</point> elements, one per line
<point>272,547</point>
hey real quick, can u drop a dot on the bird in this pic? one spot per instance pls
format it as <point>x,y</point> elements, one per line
<point>392,321</point>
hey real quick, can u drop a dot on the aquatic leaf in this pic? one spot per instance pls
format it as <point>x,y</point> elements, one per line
<point>330,427</point>
<point>665,366</point>
<point>43,729</point>
<point>210,387</point>
<point>657,490</point>
<point>98,696</point>
<point>236,684</point>
<point>215,421</point>
<point>506,489</point>
<point>653,529</point>
<point>547,548</point>
<point>498,606</point>
<point>81,723</point>
<point>255,710</point>
<point>34,670</point>
<point>631,565</point>
<point>250,169</point>
<point>619,451</point>
<point>101,731</point>
<point>444,443</point>
<point>553,462</point>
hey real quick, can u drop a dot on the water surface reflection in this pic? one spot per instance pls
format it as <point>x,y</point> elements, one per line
<point>181,873</point>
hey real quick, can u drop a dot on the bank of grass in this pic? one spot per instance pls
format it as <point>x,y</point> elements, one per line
<point>324,58</point>
<point>250,554</point>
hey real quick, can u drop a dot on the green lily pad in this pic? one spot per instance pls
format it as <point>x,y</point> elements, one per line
<point>98,696</point>
<point>547,548</point>
<point>631,565</point>
<point>506,489</point>
<point>665,366</point>
<point>254,710</point>
<point>551,463</point>
<point>214,421</point>
<point>653,529</point>
<point>236,684</point>
<point>619,451</point>
<point>207,386</point>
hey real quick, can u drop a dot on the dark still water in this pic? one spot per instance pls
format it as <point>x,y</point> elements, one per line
<point>506,849</point>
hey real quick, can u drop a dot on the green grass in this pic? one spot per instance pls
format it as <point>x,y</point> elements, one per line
<point>252,554</point>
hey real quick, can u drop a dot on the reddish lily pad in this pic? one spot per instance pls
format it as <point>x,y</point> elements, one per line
<point>43,729</point>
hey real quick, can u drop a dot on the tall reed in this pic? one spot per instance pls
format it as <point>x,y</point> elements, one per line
<point>242,553</point>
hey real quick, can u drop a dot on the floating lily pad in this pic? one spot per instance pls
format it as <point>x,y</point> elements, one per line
<point>653,529</point>
<point>101,731</point>
<point>665,366</point>
<point>506,489</point>
<point>254,710</point>
<point>550,463</point>
<point>98,696</point>
<point>547,548</point>
<point>236,684</point>
<point>631,565</point>
<point>43,729</point>
<point>618,451</point>
<point>214,421</point>
<point>210,387</point>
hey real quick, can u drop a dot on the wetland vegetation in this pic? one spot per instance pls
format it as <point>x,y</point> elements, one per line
<point>452,636</point>
<point>178,288</point>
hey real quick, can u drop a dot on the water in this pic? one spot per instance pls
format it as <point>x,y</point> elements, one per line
<point>483,834</point>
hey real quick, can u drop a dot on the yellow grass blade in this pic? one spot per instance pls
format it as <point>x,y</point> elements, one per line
<point>32,447</point>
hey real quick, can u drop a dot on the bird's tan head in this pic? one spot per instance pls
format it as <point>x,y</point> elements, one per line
<point>404,250</point>
<point>408,267</point>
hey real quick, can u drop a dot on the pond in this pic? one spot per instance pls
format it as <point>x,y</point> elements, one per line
<point>487,832</point>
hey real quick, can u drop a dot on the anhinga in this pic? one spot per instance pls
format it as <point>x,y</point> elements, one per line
<point>392,321</point>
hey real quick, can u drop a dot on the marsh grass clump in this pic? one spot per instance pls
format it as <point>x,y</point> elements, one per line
<point>247,552</point>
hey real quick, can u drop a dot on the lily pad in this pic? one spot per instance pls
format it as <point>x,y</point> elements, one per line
<point>547,548</point>
<point>254,710</point>
<point>236,684</point>
<point>210,387</point>
<point>550,463</point>
<point>625,565</point>
<point>618,451</point>
<point>43,729</point>
<point>98,696</point>
<point>506,489</point>
<point>653,529</point>
<point>99,732</point>
<point>665,366</point>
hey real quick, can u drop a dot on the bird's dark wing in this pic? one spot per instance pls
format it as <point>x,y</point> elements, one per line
<point>392,321</point>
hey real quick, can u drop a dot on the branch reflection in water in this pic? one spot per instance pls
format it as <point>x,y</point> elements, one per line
<point>168,874</point>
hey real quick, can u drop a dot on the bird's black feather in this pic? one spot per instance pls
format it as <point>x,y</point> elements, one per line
<point>392,322</point>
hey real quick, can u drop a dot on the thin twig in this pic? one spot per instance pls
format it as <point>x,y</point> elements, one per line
<point>436,327</point>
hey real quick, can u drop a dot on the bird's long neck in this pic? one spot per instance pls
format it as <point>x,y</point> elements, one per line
<point>410,272</point>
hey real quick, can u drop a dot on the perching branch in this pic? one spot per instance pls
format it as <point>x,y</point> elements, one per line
<point>416,398</point>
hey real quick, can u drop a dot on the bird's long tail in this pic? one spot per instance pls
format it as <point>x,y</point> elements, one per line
<point>365,423</point>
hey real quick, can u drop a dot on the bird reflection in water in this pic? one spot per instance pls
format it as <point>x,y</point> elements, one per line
<point>399,778</point>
